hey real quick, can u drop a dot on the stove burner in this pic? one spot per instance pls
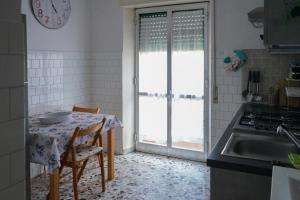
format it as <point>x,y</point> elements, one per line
<point>251,116</point>
<point>270,121</point>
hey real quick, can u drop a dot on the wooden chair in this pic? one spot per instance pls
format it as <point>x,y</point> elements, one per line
<point>80,109</point>
<point>88,110</point>
<point>77,157</point>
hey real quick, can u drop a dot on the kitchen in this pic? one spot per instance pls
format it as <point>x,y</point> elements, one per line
<point>90,62</point>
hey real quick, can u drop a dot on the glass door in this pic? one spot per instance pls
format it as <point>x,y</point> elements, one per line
<point>152,73</point>
<point>188,80</point>
<point>171,75</point>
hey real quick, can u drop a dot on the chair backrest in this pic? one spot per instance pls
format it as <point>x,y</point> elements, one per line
<point>88,110</point>
<point>96,129</point>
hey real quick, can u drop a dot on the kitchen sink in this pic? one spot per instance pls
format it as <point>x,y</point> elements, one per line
<point>259,147</point>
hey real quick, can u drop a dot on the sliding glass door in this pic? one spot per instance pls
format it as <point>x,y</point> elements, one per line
<point>171,74</point>
<point>153,84</point>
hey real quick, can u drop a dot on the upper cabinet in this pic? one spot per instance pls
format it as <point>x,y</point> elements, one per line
<point>282,26</point>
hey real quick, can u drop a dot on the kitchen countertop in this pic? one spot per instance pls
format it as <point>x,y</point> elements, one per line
<point>285,183</point>
<point>259,167</point>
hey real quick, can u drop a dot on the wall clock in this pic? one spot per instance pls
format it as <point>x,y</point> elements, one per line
<point>52,14</point>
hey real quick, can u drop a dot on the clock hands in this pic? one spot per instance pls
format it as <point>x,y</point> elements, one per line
<point>53,6</point>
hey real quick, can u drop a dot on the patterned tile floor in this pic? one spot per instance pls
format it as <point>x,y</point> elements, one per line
<point>139,176</point>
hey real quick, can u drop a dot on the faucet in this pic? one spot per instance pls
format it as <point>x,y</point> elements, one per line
<point>282,129</point>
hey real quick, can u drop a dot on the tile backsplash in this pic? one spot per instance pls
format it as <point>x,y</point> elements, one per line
<point>272,67</point>
<point>106,87</point>
<point>106,81</point>
<point>57,80</point>
<point>231,84</point>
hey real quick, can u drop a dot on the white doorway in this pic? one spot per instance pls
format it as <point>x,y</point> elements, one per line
<point>172,80</point>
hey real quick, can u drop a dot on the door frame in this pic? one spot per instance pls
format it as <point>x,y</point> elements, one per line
<point>169,150</point>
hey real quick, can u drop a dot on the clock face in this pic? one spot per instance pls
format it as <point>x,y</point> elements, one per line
<point>52,14</point>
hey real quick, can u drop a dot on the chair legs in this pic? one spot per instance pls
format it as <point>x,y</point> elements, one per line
<point>75,182</point>
<point>101,165</point>
<point>61,169</point>
<point>77,173</point>
<point>81,169</point>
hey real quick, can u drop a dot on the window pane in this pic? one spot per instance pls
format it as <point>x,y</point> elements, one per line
<point>153,78</point>
<point>188,80</point>
<point>153,120</point>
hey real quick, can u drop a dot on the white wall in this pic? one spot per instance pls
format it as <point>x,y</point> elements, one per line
<point>232,31</point>
<point>107,44</point>
<point>74,36</point>
<point>12,130</point>
<point>58,80</point>
<point>107,28</point>
<point>59,60</point>
<point>128,100</point>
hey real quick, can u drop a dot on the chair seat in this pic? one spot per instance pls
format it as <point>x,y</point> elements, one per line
<point>77,157</point>
<point>85,151</point>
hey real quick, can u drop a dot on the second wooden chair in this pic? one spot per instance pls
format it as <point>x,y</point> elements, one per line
<point>77,157</point>
<point>87,110</point>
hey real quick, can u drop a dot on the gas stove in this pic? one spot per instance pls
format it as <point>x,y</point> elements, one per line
<point>267,120</point>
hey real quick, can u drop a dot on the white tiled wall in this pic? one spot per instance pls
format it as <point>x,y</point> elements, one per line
<point>231,84</point>
<point>229,98</point>
<point>106,88</point>
<point>272,68</point>
<point>12,134</point>
<point>58,80</point>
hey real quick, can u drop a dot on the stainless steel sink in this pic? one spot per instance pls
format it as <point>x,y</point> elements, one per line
<point>259,147</point>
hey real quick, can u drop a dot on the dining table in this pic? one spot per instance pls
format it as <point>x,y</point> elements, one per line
<point>48,142</point>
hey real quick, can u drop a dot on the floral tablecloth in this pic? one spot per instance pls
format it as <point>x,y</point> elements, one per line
<point>48,142</point>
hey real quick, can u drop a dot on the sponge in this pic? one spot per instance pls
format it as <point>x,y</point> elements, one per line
<point>295,160</point>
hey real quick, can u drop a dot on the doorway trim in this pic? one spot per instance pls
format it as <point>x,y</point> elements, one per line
<point>171,151</point>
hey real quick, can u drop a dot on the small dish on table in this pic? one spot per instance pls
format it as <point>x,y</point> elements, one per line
<point>55,117</point>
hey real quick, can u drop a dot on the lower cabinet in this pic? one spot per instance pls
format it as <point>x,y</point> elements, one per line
<point>234,185</point>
